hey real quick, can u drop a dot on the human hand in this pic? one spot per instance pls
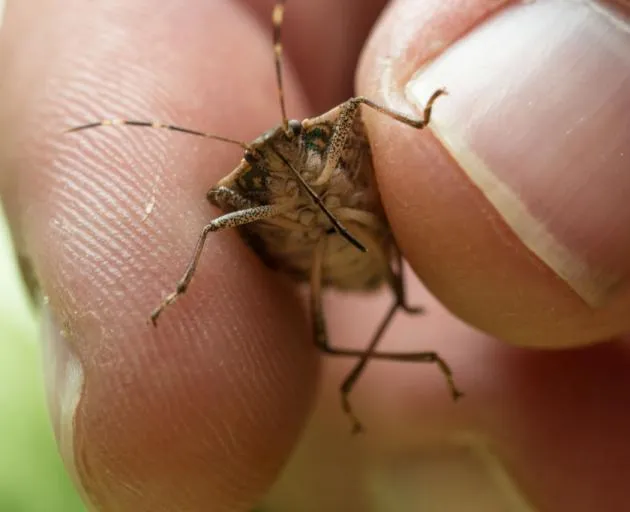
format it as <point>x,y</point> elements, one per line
<point>204,411</point>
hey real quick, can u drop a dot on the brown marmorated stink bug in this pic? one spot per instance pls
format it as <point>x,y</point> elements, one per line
<point>304,198</point>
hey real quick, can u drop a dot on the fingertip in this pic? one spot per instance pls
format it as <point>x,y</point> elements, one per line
<point>205,408</point>
<point>468,248</point>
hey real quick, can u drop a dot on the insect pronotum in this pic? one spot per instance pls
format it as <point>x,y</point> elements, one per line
<point>305,200</point>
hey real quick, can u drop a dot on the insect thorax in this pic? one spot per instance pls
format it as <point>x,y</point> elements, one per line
<point>288,241</point>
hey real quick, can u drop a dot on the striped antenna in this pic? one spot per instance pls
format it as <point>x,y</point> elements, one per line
<point>157,125</point>
<point>277,17</point>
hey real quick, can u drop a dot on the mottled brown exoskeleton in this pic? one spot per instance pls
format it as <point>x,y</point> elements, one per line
<point>305,199</point>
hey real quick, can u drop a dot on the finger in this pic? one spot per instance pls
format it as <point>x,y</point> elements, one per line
<point>203,410</point>
<point>323,40</point>
<point>518,440</point>
<point>514,211</point>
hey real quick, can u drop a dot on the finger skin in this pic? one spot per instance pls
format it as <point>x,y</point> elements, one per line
<point>323,40</point>
<point>453,237</point>
<point>420,406</point>
<point>112,204</point>
<point>206,408</point>
<point>557,422</point>
<point>543,415</point>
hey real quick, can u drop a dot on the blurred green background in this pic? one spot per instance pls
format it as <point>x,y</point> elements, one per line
<point>32,477</point>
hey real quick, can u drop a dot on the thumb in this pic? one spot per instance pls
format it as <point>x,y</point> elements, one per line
<point>514,210</point>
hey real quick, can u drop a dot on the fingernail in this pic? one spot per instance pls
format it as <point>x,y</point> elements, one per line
<point>63,375</point>
<point>538,119</point>
<point>426,479</point>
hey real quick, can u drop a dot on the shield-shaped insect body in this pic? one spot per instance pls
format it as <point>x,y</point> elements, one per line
<point>304,198</point>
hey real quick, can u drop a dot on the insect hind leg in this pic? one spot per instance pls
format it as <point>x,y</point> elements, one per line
<point>370,353</point>
<point>364,356</point>
<point>397,284</point>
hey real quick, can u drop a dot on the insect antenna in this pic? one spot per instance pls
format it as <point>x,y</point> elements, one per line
<point>276,18</point>
<point>158,125</point>
<point>317,200</point>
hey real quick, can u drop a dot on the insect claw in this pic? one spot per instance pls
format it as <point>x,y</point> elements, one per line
<point>154,316</point>
<point>412,310</point>
<point>357,428</point>
<point>457,394</point>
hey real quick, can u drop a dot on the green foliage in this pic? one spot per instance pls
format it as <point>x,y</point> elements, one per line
<point>32,477</point>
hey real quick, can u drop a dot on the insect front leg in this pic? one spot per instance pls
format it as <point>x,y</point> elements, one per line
<point>229,220</point>
<point>224,197</point>
<point>346,113</point>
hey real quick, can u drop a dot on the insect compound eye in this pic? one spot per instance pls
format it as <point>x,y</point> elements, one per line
<point>295,127</point>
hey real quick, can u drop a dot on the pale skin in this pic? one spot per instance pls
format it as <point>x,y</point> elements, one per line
<point>242,212</point>
<point>196,376</point>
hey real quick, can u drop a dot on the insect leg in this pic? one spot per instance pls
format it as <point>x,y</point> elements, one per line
<point>397,283</point>
<point>319,325</point>
<point>346,112</point>
<point>364,356</point>
<point>225,198</point>
<point>410,121</point>
<point>321,339</point>
<point>399,289</point>
<point>369,354</point>
<point>229,220</point>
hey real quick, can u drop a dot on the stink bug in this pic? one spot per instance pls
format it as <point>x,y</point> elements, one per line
<point>305,199</point>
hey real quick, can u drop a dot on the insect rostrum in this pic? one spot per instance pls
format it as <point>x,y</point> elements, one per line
<point>305,198</point>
